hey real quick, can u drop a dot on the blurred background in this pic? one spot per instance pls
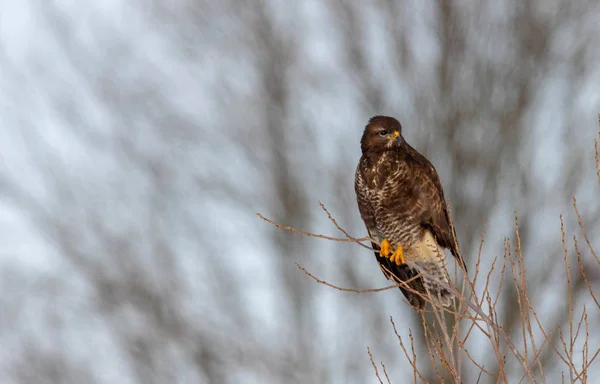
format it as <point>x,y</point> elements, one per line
<point>139,139</point>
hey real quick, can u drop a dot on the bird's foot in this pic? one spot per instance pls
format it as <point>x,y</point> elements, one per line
<point>398,256</point>
<point>386,248</point>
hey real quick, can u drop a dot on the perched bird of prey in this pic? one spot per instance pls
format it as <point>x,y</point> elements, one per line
<point>401,202</point>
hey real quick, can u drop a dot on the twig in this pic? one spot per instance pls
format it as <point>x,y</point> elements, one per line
<point>570,303</point>
<point>344,289</point>
<point>583,274</point>
<point>385,373</point>
<point>430,341</point>
<point>413,360</point>
<point>374,366</point>
<point>479,376</point>
<point>340,239</point>
<point>589,363</point>
<point>338,226</point>
<point>582,227</point>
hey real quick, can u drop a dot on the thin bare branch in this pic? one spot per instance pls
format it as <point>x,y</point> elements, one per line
<point>288,228</point>
<point>374,365</point>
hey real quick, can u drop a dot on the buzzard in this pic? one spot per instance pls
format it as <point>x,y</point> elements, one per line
<point>401,202</point>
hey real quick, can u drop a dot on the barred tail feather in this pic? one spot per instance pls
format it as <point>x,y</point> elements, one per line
<point>432,259</point>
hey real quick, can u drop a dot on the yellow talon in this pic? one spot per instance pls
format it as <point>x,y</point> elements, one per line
<point>386,248</point>
<point>398,256</point>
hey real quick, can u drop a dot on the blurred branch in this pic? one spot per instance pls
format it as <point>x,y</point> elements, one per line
<point>597,156</point>
<point>140,142</point>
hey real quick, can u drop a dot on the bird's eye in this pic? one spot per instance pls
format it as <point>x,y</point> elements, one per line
<point>383,133</point>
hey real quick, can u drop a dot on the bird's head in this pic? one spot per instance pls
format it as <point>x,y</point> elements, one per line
<point>381,133</point>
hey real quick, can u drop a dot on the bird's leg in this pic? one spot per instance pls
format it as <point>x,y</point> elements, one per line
<point>398,256</point>
<point>386,248</point>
